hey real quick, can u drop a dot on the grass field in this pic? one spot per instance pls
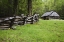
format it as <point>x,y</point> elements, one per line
<point>42,31</point>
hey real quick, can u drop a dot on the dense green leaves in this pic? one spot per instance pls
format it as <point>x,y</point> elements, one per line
<point>38,6</point>
<point>22,6</point>
<point>42,6</point>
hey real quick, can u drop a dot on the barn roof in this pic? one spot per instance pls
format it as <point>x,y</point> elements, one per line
<point>52,13</point>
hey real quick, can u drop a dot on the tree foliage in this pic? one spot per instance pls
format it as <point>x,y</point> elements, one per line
<point>38,6</point>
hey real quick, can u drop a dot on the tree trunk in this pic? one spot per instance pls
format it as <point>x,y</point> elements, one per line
<point>10,8</point>
<point>15,7</point>
<point>29,7</point>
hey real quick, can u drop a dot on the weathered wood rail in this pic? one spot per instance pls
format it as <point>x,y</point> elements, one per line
<point>9,22</point>
<point>6,22</point>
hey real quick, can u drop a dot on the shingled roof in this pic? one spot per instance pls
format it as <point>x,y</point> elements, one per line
<point>52,13</point>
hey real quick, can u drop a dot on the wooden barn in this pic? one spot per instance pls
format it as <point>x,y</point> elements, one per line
<point>50,15</point>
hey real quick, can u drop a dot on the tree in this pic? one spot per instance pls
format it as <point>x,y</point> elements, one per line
<point>10,7</point>
<point>23,7</point>
<point>30,7</point>
<point>15,7</point>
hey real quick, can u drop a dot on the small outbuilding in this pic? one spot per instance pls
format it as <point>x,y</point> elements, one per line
<point>50,15</point>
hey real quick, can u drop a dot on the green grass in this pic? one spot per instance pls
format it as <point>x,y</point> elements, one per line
<point>42,31</point>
